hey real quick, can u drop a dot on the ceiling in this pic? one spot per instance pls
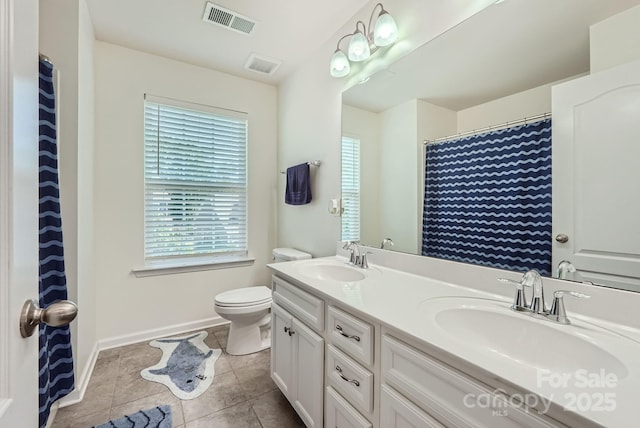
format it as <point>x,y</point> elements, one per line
<point>504,49</point>
<point>286,30</point>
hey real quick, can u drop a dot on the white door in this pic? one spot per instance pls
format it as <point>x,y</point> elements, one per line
<point>18,209</point>
<point>596,176</point>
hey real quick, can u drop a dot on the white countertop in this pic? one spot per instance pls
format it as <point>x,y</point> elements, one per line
<point>404,302</point>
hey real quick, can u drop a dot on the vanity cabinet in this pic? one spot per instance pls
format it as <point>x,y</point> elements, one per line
<point>297,352</point>
<point>444,394</point>
<point>355,372</point>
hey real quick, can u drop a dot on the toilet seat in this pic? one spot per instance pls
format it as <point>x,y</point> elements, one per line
<point>244,297</point>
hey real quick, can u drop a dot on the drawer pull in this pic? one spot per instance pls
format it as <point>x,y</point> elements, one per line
<point>341,331</point>
<point>346,379</point>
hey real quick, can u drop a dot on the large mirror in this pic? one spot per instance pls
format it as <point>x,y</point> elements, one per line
<point>489,72</point>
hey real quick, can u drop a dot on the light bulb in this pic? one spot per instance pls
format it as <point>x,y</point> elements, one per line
<point>385,32</point>
<point>340,66</point>
<point>359,47</point>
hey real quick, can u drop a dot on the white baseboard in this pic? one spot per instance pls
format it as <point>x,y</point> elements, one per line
<point>128,339</point>
<point>77,394</point>
<point>81,385</point>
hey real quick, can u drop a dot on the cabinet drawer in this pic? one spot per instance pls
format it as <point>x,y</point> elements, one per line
<point>339,413</point>
<point>450,396</point>
<point>397,411</point>
<point>352,335</point>
<point>350,378</point>
<point>303,305</point>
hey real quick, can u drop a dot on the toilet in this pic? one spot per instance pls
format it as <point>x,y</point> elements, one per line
<point>249,310</point>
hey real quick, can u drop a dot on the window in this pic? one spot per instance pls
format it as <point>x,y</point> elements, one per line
<point>350,189</point>
<point>195,170</point>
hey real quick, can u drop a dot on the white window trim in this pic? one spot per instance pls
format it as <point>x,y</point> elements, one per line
<point>184,265</point>
<point>195,264</point>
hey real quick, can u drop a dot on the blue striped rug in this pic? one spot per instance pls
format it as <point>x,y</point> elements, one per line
<point>157,417</point>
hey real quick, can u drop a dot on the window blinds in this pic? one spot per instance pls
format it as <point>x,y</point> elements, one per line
<point>195,181</point>
<point>350,189</point>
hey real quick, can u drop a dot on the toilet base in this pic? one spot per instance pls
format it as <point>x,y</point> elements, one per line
<point>248,338</point>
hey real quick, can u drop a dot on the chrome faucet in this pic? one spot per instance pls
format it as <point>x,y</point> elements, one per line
<point>352,246</point>
<point>357,257</point>
<point>564,267</point>
<point>537,306</point>
<point>533,279</point>
<point>386,241</point>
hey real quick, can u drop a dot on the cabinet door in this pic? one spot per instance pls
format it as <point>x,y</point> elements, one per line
<point>340,414</point>
<point>282,351</point>
<point>398,412</point>
<point>308,363</point>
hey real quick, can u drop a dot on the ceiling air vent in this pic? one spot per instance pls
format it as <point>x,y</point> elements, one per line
<point>262,65</point>
<point>229,19</point>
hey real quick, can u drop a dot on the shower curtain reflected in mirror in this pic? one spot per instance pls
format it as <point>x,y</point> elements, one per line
<point>488,198</point>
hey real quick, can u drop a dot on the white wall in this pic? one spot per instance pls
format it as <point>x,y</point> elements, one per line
<point>514,107</point>
<point>399,183</point>
<point>614,41</point>
<point>66,37</point>
<point>128,304</point>
<point>364,125</point>
<point>309,104</point>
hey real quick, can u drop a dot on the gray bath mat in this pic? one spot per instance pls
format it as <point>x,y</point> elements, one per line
<point>186,366</point>
<point>157,417</point>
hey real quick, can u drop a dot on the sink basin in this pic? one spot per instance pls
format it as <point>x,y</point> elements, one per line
<point>331,271</point>
<point>491,326</point>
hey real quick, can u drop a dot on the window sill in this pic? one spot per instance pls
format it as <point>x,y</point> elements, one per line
<point>174,266</point>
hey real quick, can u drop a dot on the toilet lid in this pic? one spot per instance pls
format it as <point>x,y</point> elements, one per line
<point>244,296</point>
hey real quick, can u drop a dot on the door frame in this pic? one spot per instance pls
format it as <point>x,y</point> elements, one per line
<point>6,130</point>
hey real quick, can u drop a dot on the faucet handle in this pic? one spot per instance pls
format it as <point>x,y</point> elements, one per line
<point>558,312</point>
<point>561,293</point>
<point>520,300</point>
<point>364,264</point>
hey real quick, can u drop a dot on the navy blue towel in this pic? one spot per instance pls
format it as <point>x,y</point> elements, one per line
<point>298,190</point>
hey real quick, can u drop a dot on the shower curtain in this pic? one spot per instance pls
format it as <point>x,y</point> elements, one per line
<point>56,377</point>
<point>487,199</point>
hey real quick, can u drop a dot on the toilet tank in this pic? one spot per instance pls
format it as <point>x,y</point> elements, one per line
<point>288,254</point>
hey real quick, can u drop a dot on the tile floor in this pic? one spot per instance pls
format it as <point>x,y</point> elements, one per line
<point>242,393</point>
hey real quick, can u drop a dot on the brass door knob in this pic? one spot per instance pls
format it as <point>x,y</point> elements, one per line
<point>56,315</point>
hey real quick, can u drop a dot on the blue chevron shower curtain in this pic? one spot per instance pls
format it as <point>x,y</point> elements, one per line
<point>488,199</point>
<point>56,363</point>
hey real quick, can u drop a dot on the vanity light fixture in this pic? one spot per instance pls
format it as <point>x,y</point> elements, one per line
<point>364,42</point>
